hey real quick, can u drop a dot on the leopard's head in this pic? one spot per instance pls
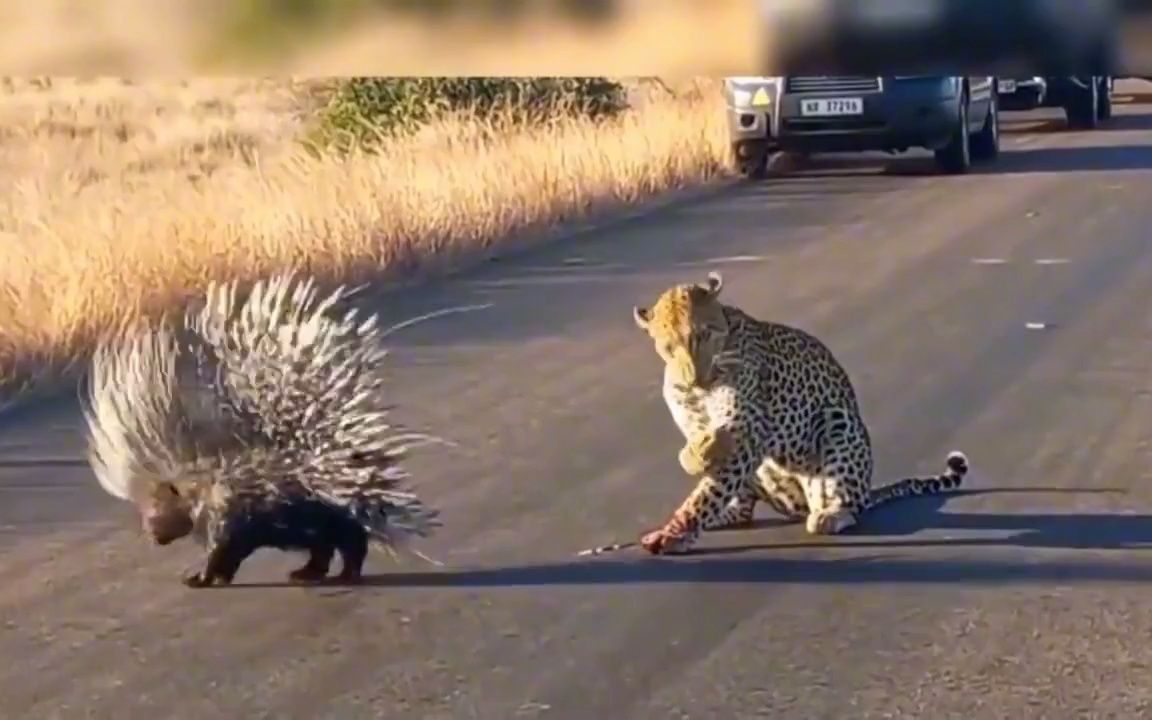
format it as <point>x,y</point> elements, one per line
<point>689,329</point>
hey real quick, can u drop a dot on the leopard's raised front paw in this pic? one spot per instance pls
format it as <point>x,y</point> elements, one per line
<point>704,452</point>
<point>691,461</point>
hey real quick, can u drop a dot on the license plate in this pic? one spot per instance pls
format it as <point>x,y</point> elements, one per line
<point>823,107</point>
<point>1007,86</point>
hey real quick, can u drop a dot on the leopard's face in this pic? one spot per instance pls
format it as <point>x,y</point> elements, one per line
<point>166,516</point>
<point>688,330</point>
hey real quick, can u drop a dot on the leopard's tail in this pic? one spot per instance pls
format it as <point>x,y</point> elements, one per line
<point>956,467</point>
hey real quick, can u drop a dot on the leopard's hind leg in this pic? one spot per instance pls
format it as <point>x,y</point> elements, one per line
<point>739,512</point>
<point>781,490</point>
<point>837,491</point>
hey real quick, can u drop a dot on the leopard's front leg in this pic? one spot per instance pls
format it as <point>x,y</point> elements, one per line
<point>706,450</point>
<point>703,509</point>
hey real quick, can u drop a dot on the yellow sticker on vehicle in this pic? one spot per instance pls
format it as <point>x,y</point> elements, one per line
<point>760,98</point>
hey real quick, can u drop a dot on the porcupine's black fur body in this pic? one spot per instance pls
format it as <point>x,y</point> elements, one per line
<point>295,523</point>
<point>258,423</point>
<point>300,525</point>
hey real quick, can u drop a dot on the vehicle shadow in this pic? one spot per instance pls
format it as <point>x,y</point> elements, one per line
<point>872,165</point>
<point>1011,125</point>
<point>1125,121</point>
<point>1100,158</point>
<point>1109,158</point>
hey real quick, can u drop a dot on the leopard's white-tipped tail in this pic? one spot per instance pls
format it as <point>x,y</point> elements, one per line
<point>955,469</point>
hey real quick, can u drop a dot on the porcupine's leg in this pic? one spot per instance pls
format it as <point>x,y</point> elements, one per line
<point>223,562</point>
<point>228,548</point>
<point>319,562</point>
<point>353,549</point>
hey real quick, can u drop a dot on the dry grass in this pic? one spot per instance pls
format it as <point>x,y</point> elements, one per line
<point>119,199</point>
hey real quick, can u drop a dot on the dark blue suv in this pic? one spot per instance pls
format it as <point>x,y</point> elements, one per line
<point>956,117</point>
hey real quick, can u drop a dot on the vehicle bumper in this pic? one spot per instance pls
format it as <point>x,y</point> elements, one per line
<point>1022,93</point>
<point>906,114</point>
<point>1007,86</point>
<point>750,125</point>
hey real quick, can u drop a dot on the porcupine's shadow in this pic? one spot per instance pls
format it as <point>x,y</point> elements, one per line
<point>886,529</point>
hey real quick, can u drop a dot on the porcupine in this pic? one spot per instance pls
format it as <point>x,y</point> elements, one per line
<point>256,423</point>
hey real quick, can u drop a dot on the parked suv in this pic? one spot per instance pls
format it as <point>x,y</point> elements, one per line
<point>957,117</point>
<point>1086,99</point>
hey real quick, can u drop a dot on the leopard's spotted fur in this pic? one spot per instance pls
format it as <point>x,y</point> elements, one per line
<point>769,415</point>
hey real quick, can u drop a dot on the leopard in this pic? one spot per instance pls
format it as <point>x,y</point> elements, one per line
<point>769,415</point>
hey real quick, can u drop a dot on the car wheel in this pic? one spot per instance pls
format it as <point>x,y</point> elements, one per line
<point>1083,106</point>
<point>1104,111</point>
<point>986,144</point>
<point>955,158</point>
<point>755,168</point>
<point>752,159</point>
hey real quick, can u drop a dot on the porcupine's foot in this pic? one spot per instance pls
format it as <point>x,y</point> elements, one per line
<point>201,580</point>
<point>350,576</point>
<point>224,560</point>
<point>316,569</point>
<point>353,552</point>
<point>308,575</point>
<point>196,580</point>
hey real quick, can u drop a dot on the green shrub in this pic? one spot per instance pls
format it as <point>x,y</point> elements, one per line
<point>360,112</point>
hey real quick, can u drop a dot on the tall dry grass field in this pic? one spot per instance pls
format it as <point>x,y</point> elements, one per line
<point>121,199</point>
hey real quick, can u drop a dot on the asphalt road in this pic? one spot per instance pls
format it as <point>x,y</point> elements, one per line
<point>1028,596</point>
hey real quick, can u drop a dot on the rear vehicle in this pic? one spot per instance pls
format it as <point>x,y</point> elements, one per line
<point>1086,100</point>
<point>956,117</point>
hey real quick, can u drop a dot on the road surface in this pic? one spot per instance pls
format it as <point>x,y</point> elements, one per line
<point>1004,313</point>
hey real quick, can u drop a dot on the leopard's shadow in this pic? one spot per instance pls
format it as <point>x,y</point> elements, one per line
<point>892,527</point>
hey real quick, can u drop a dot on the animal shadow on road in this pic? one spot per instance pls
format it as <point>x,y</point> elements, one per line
<point>721,565</point>
<point>885,527</point>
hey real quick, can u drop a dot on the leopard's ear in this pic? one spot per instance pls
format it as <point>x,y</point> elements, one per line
<point>710,291</point>
<point>715,284</point>
<point>642,317</point>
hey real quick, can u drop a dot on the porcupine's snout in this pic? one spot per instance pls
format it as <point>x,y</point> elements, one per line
<point>165,517</point>
<point>167,526</point>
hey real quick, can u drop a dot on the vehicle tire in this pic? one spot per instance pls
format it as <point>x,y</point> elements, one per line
<point>986,144</point>
<point>955,158</point>
<point>1083,106</point>
<point>1104,111</point>
<point>754,168</point>
<point>752,160</point>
